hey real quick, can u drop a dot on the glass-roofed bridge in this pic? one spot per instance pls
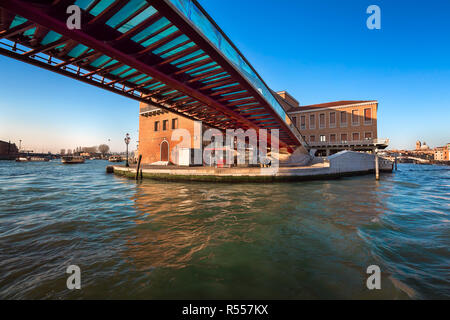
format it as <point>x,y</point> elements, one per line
<point>168,53</point>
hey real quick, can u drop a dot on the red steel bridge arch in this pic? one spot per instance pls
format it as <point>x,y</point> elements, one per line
<point>167,53</point>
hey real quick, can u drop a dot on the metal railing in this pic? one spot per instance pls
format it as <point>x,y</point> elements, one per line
<point>349,143</point>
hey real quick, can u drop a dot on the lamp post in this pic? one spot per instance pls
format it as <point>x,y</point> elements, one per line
<point>127,142</point>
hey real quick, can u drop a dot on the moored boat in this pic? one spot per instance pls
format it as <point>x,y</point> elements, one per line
<point>115,159</point>
<point>72,159</point>
<point>32,159</point>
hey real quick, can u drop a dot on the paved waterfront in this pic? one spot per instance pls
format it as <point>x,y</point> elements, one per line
<point>198,240</point>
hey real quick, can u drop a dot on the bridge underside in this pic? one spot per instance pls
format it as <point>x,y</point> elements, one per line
<point>146,50</point>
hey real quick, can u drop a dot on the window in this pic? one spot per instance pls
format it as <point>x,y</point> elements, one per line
<point>355,119</point>
<point>332,137</point>
<point>355,136</point>
<point>368,116</point>
<point>344,137</point>
<point>175,123</point>
<point>343,118</point>
<point>303,122</point>
<point>156,125</point>
<point>294,121</point>
<point>165,124</point>
<point>332,119</point>
<point>312,138</point>
<point>323,138</point>
<point>312,121</point>
<point>367,135</point>
<point>322,120</point>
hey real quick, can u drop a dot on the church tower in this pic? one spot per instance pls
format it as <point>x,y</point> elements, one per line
<point>418,145</point>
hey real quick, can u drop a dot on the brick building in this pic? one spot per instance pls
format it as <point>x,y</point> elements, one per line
<point>335,126</point>
<point>327,127</point>
<point>155,134</point>
<point>442,153</point>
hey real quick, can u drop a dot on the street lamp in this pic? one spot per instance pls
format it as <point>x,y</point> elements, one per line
<point>127,141</point>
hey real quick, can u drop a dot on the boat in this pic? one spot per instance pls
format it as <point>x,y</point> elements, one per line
<point>32,159</point>
<point>72,159</point>
<point>115,159</point>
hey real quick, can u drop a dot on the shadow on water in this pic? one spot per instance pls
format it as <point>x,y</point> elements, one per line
<point>194,240</point>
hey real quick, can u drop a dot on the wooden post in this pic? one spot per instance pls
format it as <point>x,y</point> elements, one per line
<point>396,160</point>
<point>141,175</point>
<point>138,166</point>
<point>377,167</point>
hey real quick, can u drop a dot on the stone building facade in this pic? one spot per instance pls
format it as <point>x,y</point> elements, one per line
<point>335,126</point>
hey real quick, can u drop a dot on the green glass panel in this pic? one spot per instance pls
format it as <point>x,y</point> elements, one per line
<point>158,87</point>
<point>119,70</point>
<point>17,21</point>
<point>171,44</point>
<point>144,80</point>
<point>102,5</point>
<point>170,92</point>
<point>30,32</point>
<point>52,36</point>
<point>84,4</point>
<point>127,73</point>
<point>130,8</point>
<point>99,61</point>
<point>110,63</point>
<point>193,73</point>
<point>77,51</point>
<point>152,85</point>
<point>161,23</point>
<point>137,78</point>
<point>138,19</point>
<point>170,53</point>
<point>196,53</point>
<point>160,36</point>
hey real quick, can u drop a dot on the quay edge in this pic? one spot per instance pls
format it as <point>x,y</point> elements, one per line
<point>342,164</point>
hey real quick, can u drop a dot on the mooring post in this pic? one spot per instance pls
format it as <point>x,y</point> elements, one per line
<point>395,163</point>
<point>138,167</point>
<point>377,166</point>
<point>141,175</point>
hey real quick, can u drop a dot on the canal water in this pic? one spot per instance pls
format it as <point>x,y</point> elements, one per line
<point>156,240</point>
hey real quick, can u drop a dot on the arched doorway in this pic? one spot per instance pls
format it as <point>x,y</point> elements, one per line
<point>164,151</point>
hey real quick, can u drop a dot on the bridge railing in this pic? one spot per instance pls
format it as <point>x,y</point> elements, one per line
<point>208,28</point>
<point>365,142</point>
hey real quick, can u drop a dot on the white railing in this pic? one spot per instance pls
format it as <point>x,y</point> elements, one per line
<point>365,142</point>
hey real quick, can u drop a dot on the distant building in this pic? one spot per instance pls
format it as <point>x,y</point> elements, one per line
<point>8,150</point>
<point>418,145</point>
<point>442,153</point>
<point>422,147</point>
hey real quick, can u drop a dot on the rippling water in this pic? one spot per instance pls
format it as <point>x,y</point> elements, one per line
<point>153,240</point>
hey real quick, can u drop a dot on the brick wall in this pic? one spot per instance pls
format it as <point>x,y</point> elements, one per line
<point>150,140</point>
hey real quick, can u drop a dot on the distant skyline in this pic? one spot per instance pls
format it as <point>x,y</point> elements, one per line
<point>318,51</point>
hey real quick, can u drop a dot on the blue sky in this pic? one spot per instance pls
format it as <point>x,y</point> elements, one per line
<point>318,51</point>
